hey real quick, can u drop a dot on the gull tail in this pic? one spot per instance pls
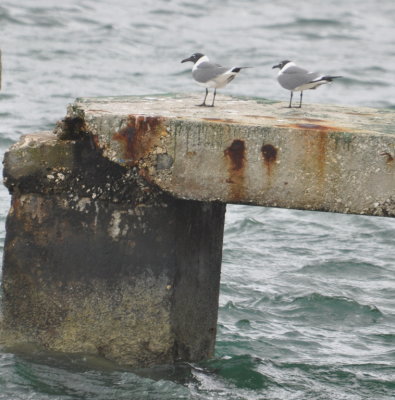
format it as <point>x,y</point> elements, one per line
<point>329,78</point>
<point>238,69</point>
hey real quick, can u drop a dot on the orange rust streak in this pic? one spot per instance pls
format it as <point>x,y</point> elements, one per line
<point>390,158</point>
<point>138,137</point>
<point>316,148</point>
<point>269,154</point>
<point>309,119</point>
<point>235,157</point>
<point>312,127</point>
<point>15,205</point>
<point>322,149</point>
<point>260,116</point>
<point>95,140</point>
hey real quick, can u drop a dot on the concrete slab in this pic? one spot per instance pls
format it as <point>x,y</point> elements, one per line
<point>251,151</point>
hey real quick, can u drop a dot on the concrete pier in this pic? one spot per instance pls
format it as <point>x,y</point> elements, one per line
<point>114,236</point>
<point>319,157</point>
<point>97,260</point>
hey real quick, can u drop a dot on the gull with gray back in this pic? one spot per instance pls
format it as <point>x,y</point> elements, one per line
<point>297,79</point>
<point>211,75</point>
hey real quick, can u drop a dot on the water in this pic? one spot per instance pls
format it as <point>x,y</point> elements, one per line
<point>307,305</point>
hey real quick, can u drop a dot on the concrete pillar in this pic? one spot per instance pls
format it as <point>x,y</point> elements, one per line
<point>114,237</point>
<point>99,261</point>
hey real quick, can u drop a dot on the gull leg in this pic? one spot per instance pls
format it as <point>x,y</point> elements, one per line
<point>204,101</point>
<point>290,99</point>
<point>215,92</point>
<point>300,101</point>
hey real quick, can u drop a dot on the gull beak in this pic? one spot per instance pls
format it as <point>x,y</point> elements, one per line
<point>276,66</point>
<point>186,59</point>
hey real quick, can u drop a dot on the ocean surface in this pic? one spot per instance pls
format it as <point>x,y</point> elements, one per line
<point>307,304</point>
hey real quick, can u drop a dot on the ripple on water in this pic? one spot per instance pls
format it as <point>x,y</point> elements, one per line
<point>334,311</point>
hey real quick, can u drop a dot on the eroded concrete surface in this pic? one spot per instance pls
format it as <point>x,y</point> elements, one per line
<point>320,157</point>
<point>114,236</point>
<point>98,260</point>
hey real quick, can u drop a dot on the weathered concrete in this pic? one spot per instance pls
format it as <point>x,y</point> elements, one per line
<point>320,157</point>
<point>97,260</point>
<point>114,236</point>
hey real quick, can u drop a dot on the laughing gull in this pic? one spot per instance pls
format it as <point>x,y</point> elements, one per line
<point>297,79</point>
<point>211,75</point>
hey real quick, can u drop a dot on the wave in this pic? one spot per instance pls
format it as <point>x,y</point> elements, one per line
<point>326,309</point>
<point>5,17</point>
<point>33,17</point>
<point>242,226</point>
<point>5,142</point>
<point>347,81</point>
<point>344,269</point>
<point>7,96</point>
<point>163,11</point>
<point>240,370</point>
<point>306,22</point>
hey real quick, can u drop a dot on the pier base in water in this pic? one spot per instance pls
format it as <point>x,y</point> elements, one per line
<point>98,261</point>
<point>114,237</point>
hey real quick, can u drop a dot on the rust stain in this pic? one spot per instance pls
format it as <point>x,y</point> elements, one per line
<point>138,137</point>
<point>316,138</point>
<point>269,154</point>
<point>235,157</point>
<point>226,120</point>
<point>143,172</point>
<point>236,152</point>
<point>309,119</point>
<point>260,116</point>
<point>15,206</point>
<point>316,143</point>
<point>95,140</point>
<point>322,150</point>
<point>309,126</point>
<point>315,127</point>
<point>390,158</point>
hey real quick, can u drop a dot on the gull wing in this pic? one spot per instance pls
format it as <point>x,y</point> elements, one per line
<point>207,71</point>
<point>295,76</point>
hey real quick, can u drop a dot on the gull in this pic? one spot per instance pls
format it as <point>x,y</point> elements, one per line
<point>297,79</point>
<point>211,75</point>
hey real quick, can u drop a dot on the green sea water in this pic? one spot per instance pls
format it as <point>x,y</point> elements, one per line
<point>307,303</point>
